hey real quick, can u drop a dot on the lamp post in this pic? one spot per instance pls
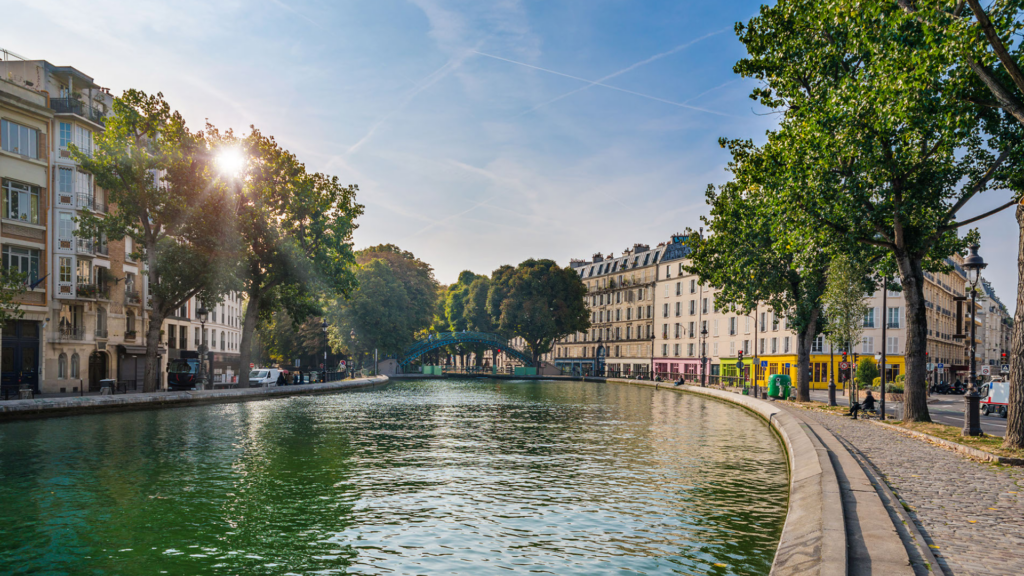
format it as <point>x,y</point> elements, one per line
<point>831,375</point>
<point>703,356</point>
<point>973,265</point>
<point>880,363</point>
<point>203,314</point>
<point>323,367</point>
<point>352,369</point>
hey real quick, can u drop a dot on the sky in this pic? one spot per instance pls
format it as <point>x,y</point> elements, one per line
<point>479,132</point>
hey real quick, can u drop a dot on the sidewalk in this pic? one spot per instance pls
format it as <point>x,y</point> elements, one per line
<point>971,514</point>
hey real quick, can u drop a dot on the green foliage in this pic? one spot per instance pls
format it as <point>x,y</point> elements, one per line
<point>281,340</point>
<point>12,285</point>
<point>866,374</point>
<point>538,301</point>
<point>844,302</point>
<point>392,304</point>
<point>160,177</point>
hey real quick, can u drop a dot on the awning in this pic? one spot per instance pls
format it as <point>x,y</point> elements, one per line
<point>139,350</point>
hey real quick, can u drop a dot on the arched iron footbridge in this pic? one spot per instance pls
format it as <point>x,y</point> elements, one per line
<point>492,341</point>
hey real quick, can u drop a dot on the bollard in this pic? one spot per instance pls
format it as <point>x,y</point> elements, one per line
<point>25,394</point>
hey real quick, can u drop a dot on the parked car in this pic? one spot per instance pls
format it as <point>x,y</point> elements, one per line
<point>263,377</point>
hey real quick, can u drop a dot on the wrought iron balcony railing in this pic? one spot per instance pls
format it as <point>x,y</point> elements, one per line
<point>76,106</point>
<point>71,333</point>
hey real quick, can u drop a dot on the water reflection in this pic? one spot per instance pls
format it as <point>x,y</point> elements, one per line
<point>453,476</point>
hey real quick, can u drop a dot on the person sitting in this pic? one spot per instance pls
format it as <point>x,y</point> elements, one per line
<point>867,405</point>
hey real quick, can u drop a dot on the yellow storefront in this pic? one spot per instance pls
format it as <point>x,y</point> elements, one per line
<point>819,367</point>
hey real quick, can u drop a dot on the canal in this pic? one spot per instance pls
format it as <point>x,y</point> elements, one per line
<point>416,477</point>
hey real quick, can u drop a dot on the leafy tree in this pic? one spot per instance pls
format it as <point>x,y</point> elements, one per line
<point>867,371</point>
<point>375,312</point>
<point>477,316</point>
<point>159,175</point>
<point>844,303</point>
<point>756,253</point>
<point>874,161</point>
<point>295,229</point>
<point>12,286</point>
<point>972,49</point>
<point>282,340</point>
<point>538,301</point>
<point>415,275</point>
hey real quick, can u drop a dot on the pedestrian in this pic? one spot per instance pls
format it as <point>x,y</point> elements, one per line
<point>867,405</point>
<point>280,379</point>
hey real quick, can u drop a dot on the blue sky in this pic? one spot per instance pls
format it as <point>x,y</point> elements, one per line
<point>480,132</point>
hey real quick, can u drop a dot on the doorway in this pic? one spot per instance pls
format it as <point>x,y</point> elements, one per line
<point>97,370</point>
<point>20,357</point>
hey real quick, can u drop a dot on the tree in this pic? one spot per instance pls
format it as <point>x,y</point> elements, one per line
<point>478,318</point>
<point>867,371</point>
<point>375,312</point>
<point>415,275</point>
<point>756,253</point>
<point>844,303</point>
<point>538,301</point>
<point>159,175</point>
<point>295,229</point>
<point>874,161</point>
<point>973,49</point>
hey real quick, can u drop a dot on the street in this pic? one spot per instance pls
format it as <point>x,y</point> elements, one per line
<point>944,409</point>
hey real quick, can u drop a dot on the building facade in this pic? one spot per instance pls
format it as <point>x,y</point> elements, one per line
<point>25,136</point>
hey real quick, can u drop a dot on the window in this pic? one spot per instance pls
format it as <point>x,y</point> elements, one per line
<point>74,365</point>
<point>785,345</point>
<point>197,340</point>
<point>693,307</point>
<point>679,309</point>
<point>714,327</point>
<point>679,329</point>
<point>83,140</point>
<point>761,346</point>
<point>679,288</point>
<point>818,346</point>
<point>894,317</point>
<point>21,202</point>
<point>693,286</point>
<point>690,329</point>
<point>714,347</point>
<point>129,322</point>
<point>172,336</point>
<point>675,350</point>
<point>869,318</point>
<point>867,345</point>
<point>66,180</point>
<point>64,269</point>
<point>65,226</point>
<point>664,349</point>
<point>746,325</point>
<point>618,315</point>
<point>732,348</point>
<point>704,306</point>
<point>892,345</point>
<point>664,330</point>
<point>732,326</point>
<point>775,345</point>
<point>19,139</point>
<point>65,135</point>
<point>689,350</point>
<point>62,366</point>
<point>84,272</point>
<point>22,260</point>
<point>183,337</point>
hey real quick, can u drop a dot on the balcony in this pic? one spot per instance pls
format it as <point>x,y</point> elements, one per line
<point>893,325</point>
<point>131,296</point>
<point>101,332</point>
<point>130,334</point>
<point>76,106</point>
<point>84,245</point>
<point>89,202</point>
<point>71,333</point>
<point>86,290</point>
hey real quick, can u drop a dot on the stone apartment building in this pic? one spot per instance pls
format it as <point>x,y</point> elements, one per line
<point>996,323</point>
<point>620,296</point>
<point>25,148</point>
<point>86,320</point>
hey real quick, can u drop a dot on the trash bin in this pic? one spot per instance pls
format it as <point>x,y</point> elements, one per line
<point>107,386</point>
<point>778,386</point>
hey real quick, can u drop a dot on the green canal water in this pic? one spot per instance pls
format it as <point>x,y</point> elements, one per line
<point>434,477</point>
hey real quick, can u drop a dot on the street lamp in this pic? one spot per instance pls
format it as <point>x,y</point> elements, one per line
<point>351,356</point>
<point>323,367</point>
<point>973,265</point>
<point>703,356</point>
<point>203,314</point>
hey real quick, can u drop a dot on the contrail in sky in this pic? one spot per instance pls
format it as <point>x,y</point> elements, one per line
<point>599,83</point>
<point>630,68</point>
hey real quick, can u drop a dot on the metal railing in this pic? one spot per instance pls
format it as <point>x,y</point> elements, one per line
<point>89,202</point>
<point>71,333</point>
<point>130,334</point>
<point>86,290</point>
<point>76,106</point>
<point>101,332</point>
<point>131,296</point>
<point>84,245</point>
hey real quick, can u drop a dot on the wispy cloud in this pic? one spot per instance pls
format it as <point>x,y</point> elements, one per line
<point>630,68</point>
<point>603,85</point>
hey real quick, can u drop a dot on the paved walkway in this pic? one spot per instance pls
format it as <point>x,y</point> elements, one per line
<point>972,512</point>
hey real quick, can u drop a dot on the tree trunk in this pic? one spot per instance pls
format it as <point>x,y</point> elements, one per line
<point>804,342</point>
<point>151,377</point>
<point>915,406</point>
<point>245,346</point>
<point>1015,416</point>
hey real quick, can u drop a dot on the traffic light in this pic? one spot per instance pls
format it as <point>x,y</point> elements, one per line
<point>739,355</point>
<point>844,356</point>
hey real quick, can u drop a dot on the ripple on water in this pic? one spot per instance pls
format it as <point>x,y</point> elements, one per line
<point>454,476</point>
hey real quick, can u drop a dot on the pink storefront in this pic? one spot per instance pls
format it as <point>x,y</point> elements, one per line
<point>673,368</point>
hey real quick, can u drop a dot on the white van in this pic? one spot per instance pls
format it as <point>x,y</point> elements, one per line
<point>263,377</point>
<point>995,397</point>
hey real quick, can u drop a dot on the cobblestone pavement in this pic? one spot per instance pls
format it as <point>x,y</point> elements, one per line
<point>971,514</point>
